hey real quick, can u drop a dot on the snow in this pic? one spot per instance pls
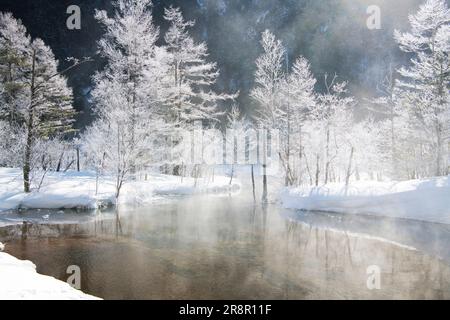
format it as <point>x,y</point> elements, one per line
<point>77,190</point>
<point>426,199</point>
<point>19,280</point>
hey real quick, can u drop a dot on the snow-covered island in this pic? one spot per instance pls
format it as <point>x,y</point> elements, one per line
<point>80,190</point>
<point>426,199</point>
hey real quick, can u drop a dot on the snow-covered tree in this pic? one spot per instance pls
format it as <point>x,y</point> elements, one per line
<point>268,80</point>
<point>94,145</point>
<point>235,139</point>
<point>14,48</point>
<point>298,98</point>
<point>333,111</point>
<point>366,138</point>
<point>267,91</point>
<point>388,106</point>
<point>36,94</point>
<point>426,81</point>
<point>12,140</point>
<point>191,96</point>
<point>127,92</point>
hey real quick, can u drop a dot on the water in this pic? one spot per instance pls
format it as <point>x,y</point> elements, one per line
<point>227,248</point>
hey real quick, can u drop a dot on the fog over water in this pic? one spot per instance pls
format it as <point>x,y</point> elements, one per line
<point>228,248</point>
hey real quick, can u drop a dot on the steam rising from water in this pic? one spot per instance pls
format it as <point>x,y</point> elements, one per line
<point>227,248</point>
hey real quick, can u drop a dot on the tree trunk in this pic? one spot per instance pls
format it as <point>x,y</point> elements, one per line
<point>393,151</point>
<point>317,170</point>
<point>97,174</point>
<point>30,127</point>
<point>119,180</point>
<point>349,170</point>
<point>78,159</point>
<point>264,194</point>
<point>253,184</point>
<point>308,169</point>
<point>232,174</point>
<point>439,150</point>
<point>300,156</point>
<point>58,167</point>
<point>327,165</point>
<point>288,151</point>
<point>196,174</point>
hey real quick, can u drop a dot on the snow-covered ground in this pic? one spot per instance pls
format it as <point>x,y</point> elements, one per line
<point>77,190</point>
<point>427,199</point>
<point>19,280</point>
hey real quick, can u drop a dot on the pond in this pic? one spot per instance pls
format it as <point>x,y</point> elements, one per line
<point>226,247</point>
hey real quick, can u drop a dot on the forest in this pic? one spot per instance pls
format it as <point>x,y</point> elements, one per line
<point>225,149</point>
<point>155,86</point>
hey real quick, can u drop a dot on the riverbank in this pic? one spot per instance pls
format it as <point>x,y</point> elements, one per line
<point>426,199</point>
<point>19,280</point>
<point>78,190</point>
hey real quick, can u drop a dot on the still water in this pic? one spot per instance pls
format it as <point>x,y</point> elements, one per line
<point>211,247</point>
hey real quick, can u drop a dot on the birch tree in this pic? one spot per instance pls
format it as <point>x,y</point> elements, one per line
<point>298,99</point>
<point>267,91</point>
<point>332,111</point>
<point>127,92</point>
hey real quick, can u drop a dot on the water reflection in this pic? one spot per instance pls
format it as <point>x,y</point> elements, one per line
<point>433,238</point>
<point>225,248</point>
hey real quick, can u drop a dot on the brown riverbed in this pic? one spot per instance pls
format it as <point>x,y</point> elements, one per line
<point>227,248</point>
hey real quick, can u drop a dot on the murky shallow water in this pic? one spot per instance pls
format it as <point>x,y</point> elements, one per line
<point>227,248</point>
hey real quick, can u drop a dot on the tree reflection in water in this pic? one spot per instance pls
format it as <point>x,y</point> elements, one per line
<point>222,248</point>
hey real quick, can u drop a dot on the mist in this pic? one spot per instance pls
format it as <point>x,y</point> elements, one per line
<point>331,34</point>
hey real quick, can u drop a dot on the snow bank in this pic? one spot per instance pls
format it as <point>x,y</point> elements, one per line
<point>427,200</point>
<point>19,280</point>
<point>77,190</point>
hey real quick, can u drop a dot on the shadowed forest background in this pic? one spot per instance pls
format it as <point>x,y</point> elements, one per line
<point>331,34</point>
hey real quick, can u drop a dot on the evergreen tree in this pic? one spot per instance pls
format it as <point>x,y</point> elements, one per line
<point>426,81</point>
<point>190,96</point>
<point>37,95</point>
